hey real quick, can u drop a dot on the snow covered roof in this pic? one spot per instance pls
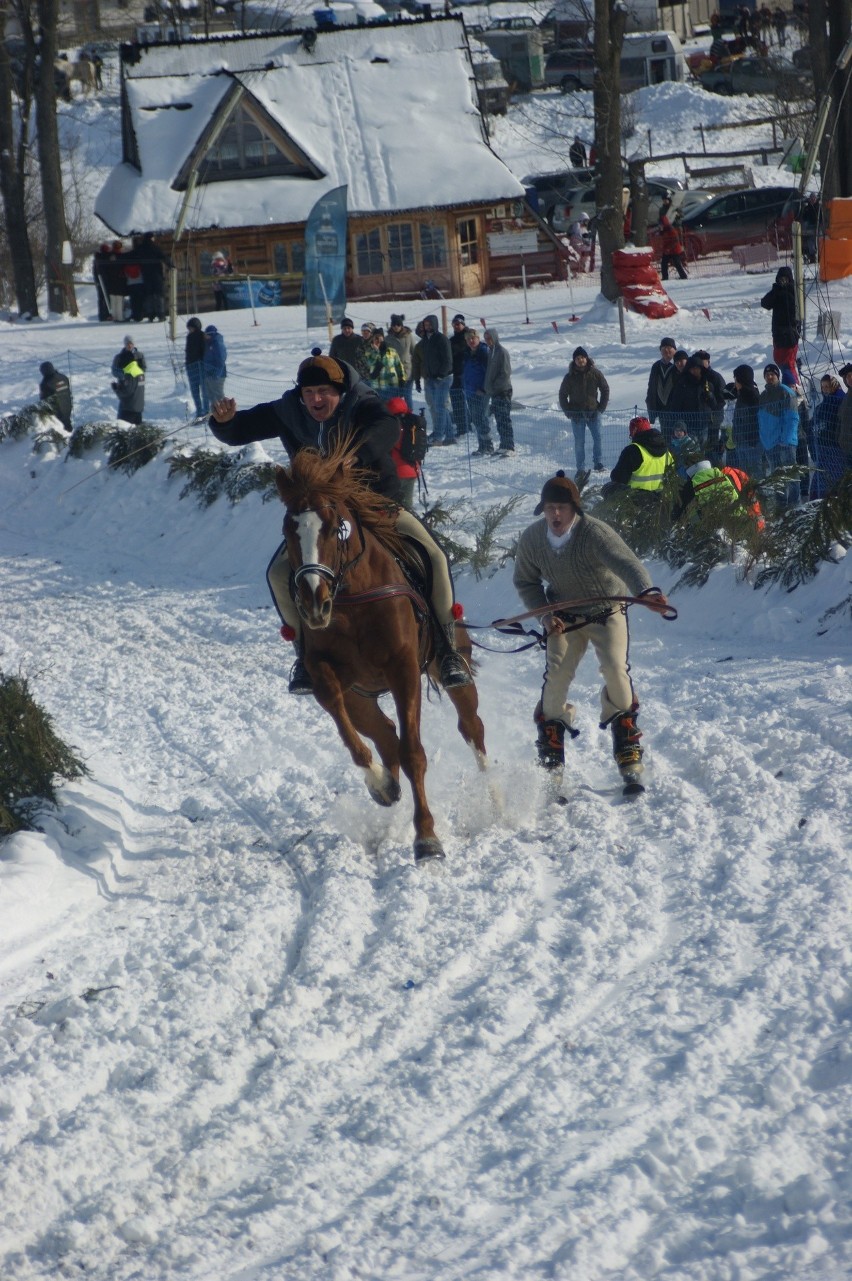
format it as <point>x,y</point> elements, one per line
<point>389,111</point>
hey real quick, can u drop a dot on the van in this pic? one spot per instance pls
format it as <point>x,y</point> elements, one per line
<point>647,58</point>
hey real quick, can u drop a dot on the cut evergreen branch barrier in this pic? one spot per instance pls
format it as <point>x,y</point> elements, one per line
<point>212,473</point>
<point>129,448</point>
<point>32,757</point>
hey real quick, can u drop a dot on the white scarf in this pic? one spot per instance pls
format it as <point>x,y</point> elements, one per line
<point>558,541</point>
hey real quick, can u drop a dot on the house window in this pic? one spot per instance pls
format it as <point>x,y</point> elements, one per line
<point>368,253</point>
<point>289,258</point>
<point>433,246</point>
<point>468,243</point>
<point>247,147</point>
<point>401,246</point>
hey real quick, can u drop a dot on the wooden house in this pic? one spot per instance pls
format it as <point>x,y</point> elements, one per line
<point>232,140</point>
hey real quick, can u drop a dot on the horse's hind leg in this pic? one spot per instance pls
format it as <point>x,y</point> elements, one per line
<point>369,719</point>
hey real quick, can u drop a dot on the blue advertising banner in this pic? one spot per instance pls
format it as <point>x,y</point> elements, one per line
<point>325,258</point>
<point>264,293</point>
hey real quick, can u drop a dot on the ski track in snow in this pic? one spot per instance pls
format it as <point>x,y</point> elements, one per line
<point>316,1061</point>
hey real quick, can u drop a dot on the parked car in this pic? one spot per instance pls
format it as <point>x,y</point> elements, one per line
<point>647,58</point>
<point>735,218</point>
<point>771,76</point>
<point>582,200</point>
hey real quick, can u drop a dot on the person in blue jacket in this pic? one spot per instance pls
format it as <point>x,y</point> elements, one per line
<point>474,370</point>
<point>778,426</point>
<point>215,369</point>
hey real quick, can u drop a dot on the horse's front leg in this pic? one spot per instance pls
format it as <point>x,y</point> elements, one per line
<point>330,696</point>
<point>407,693</point>
<point>369,720</point>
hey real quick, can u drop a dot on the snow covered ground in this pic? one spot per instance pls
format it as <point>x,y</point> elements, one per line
<point>244,1039</point>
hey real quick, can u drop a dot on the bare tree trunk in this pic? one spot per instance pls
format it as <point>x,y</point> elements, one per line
<point>840,20</point>
<point>835,151</point>
<point>638,202</point>
<point>12,188</point>
<point>60,280</point>
<point>610,21</point>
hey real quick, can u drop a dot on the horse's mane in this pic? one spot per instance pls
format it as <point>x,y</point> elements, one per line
<point>313,479</point>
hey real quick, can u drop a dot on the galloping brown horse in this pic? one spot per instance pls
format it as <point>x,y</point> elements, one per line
<point>366,629</point>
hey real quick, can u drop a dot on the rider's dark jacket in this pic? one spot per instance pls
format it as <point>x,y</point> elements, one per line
<point>374,430</point>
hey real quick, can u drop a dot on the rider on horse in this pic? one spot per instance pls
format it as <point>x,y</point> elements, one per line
<point>328,403</point>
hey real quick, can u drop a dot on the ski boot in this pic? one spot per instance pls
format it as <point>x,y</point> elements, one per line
<point>550,742</point>
<point>452,667</point>
<point>626,750</point>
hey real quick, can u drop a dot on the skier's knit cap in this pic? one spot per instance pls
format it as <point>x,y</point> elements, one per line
<point>396,319</point>
<point>559,489</point>
<point>458,317</point>
<point>580,351</point>
<point>771,369</point>
<point>346,323</point>
<point>638,424</point>
<point>396,405</point>
<point>681,355</point>
<point>703,355</point>
<point>667,342</point>
<point>319,371</point>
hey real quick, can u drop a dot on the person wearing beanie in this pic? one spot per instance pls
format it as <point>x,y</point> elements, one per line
<point>583,397</point>
<point>698,399</point>
<point>681,447</point>
<point>55,390</point>
<point>129,384</point>
<point>747,451</point>
<point>717,416</point>
<point>433,367</point>
<point>661,383</point>
<point>329,404</point>
<point>349,347</point>
<point>643,464</point>
<point>129,351</point>
<point>193,360</point>
<point>571,556</point>
<point>387,377</point>
<point>781,301</point>
<point>215,368</point>
<point>458,400</point>
<point>778,427</point>
<point>401,339</point>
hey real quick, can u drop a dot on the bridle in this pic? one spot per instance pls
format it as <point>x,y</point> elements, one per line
<point>334,577</point>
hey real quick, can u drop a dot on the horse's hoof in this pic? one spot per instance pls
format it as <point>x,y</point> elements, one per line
<point>387,792</point>
<point>428,849</point>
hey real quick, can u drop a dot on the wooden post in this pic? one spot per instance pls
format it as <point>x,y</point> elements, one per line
<point>621,321</point>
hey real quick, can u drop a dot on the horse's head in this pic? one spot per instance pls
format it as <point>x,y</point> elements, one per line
<point>321,530</point>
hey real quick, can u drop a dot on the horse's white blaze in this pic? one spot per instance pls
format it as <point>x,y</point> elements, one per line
<point>308,529</point>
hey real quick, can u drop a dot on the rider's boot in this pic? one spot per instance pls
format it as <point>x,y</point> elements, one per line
<point>453,668</point>
<point>625,742</point>
<point>300,680</point>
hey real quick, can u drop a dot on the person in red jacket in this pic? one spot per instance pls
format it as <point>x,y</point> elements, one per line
<point>408,472</point>
<point>671,243</point>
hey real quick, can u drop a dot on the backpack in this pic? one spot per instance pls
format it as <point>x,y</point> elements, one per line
<point>739,479</point>
<point>412,442</point>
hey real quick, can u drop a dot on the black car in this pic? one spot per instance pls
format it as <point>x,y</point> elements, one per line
<point>735,218</point>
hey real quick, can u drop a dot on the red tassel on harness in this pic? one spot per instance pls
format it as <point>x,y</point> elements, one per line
<point>457,611</point>
<point>288,633</point>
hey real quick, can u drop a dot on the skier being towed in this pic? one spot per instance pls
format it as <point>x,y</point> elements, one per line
<point>569,556</point>
<point>328,403</point>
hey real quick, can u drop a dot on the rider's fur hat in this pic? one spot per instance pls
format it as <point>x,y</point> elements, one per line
<point>319,371</point>
<point>559,489</point>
